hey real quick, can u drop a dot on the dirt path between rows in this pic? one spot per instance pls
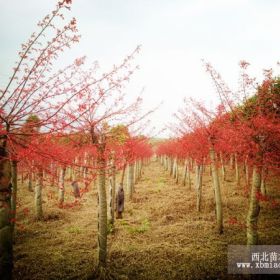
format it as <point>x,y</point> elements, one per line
<point>161,235</point>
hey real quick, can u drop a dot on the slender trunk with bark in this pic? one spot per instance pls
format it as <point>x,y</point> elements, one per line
<point>185,172</point>
<point>191,164</point>
<point>53,173</point>
<point>174,168</point>
<point>231,161</point>
<point>85,171</point>
<point>30,181</point>
<point>177,173</point>
<point>165,163</point>
<point>38,195</point>
<point>198,186</point>
<point>135,173</point>
<point>263,181</point>
<point>123,173</point>
<point>247,177</point>
<point>189,175</point>
<point>14,194</point>
<point>130,180</point>
<point>223,169</point>
<point>254,208</point>
<point>217,191</point>
<point>210,170</point>
<point>140,168</point>
<point>237,172</point>
<point>102,207</point>
<point>112,192</point>
<point>61,186</point>
<point>170,165</point>
<point>6,235</point>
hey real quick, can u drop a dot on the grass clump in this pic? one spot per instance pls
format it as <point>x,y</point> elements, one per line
<point>145,226</point>
<point>74,230</point>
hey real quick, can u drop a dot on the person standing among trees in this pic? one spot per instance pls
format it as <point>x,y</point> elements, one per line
<point>120,201</point>
<point>76,190</point>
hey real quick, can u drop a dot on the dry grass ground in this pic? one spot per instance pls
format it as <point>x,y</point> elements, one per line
<point>160,237</point>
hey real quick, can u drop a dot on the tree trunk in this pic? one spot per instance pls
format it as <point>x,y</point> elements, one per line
<point>165,163</point>
<point>68,173</point>
<point>217,191</point>
<point>85,172</point>
<point>112,192</point>
<point>254,208</point>
<point>38,195</point>
<point>231,161</point>
<point>263,180</point>
<point>30,181</point>
<point>53,174</point>
<point>123,173</point>
<point>75,170</point>
<point>140,168</point>
<point>189,174</point>
<point>198,186</point>
<point>177,172</point>
<point>14,194</point>
<point>247,177</point>
<point>130,180</point>
<point>169,169</point>
<point>210,170</point>
<point>137,170</point>
<point>185,172</point>
<point>6,236</point>
<point>237,172</point>
<point>102,207</point>
<point>135,173</point>
<point>174,168</point>
<point>61,186</point>
<point>223,167</point>
<point>171,166</point>
<point>22,177</point>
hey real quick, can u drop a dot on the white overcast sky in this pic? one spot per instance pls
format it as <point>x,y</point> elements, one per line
<point>175,35</point>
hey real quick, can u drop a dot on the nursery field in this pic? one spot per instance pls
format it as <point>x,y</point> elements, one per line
<point>135,156</point>
<point>161,235</point>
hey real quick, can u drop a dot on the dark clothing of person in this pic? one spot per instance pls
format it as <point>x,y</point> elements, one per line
<point>76,190</point>
<point>120,202</point>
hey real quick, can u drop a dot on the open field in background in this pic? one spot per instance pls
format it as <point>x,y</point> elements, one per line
<point>160,237</point>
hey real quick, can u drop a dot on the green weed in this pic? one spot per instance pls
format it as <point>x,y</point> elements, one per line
<point>145,226</point>
<point>74,229</point>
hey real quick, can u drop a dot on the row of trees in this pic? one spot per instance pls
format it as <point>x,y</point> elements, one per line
<point>54,121</point>
<point>244,130</point>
